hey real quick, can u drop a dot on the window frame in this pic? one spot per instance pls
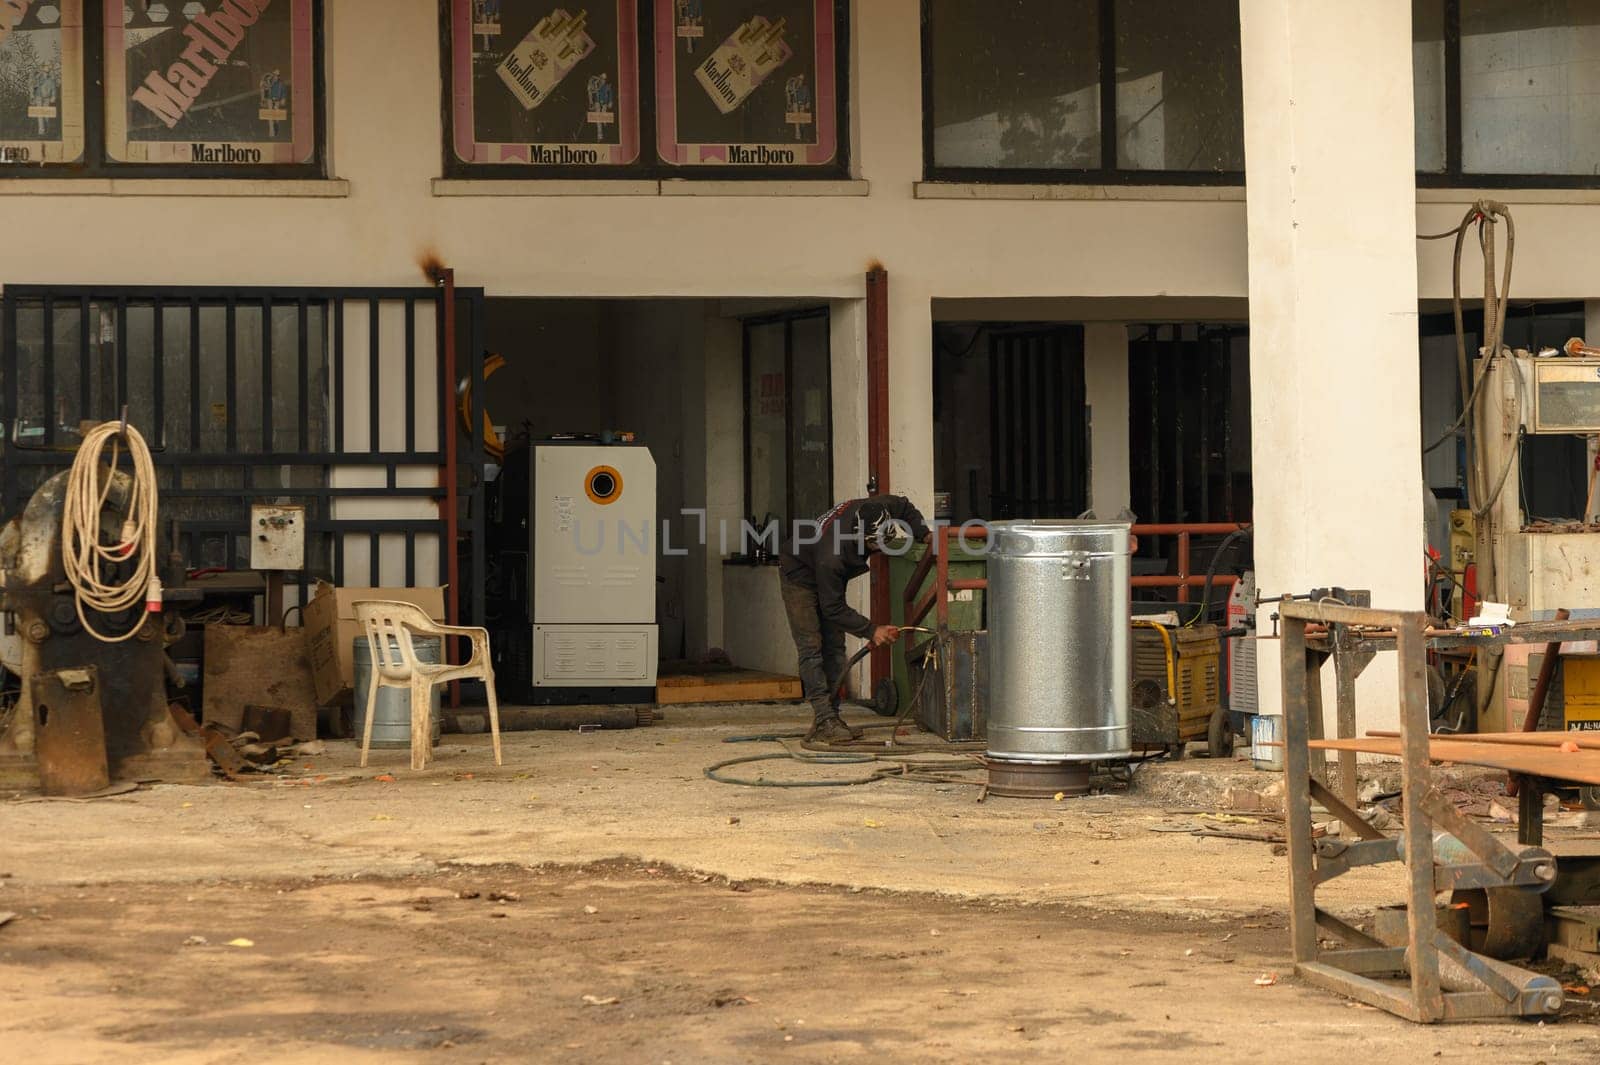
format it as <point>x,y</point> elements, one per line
<point>1107,173</point>
<point>787,320</point>
<point>97,161</point>
<point>1453,176</point>
<point>650,166</point>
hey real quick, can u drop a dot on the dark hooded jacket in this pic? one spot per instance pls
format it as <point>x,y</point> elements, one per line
<point>827,558</point>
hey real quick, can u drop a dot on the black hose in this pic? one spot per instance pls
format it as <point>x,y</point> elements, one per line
<point>1211,570</point>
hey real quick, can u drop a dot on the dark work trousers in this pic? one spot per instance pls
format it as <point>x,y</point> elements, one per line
<point>820,646</point>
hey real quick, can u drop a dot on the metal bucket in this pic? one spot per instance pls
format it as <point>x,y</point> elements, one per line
<point>1266,742</point>
<point>1059,633</point>
<point>391,721</point>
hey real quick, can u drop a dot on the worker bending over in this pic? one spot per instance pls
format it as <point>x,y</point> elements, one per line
<point>814,566</point>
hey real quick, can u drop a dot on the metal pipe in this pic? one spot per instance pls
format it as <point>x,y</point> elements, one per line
<point>445,277</point>
<point>878,440</point>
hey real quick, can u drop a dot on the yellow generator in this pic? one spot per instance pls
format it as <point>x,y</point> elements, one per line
<point>1177,688</point>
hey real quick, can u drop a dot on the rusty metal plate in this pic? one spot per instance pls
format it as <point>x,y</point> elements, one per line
<point>1037,780</point>
<point>70,742</point>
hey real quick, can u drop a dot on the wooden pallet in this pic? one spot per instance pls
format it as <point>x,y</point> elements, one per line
<point>726,686</point>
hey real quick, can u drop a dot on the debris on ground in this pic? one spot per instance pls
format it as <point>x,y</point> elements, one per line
<point>6,917</point>
<point>1266,979</point>
<point>1249,800</point>
<point>241,942</point>
<point>504,896</point>
<point>596,1000</point>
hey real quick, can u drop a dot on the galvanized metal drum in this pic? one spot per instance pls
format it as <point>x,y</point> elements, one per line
<point>391,721</point>
<point>1059,622</point>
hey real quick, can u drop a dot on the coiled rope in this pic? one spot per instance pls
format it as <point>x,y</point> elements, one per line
<point>83,554</point>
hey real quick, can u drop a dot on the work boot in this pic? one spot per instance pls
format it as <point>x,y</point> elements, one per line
<point>833,730</point>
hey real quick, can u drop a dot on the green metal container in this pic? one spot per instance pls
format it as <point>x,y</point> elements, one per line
<point>966,607</point>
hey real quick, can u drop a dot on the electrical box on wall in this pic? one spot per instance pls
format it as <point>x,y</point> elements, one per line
<point>593,545</point>
<point>1560,395</point>
<point>277,537</point>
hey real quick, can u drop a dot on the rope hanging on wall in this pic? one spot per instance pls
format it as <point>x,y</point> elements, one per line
<point>83,555</point>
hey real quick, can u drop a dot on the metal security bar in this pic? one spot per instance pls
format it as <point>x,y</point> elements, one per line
<point>1038,431</point>
<point>332,398</point>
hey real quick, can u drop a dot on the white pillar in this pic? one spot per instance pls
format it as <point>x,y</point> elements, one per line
<point>1330,173</point>
<point>910,389</point>
<point>1105,386</point>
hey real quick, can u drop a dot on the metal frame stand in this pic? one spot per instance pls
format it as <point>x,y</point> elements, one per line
<point>1430,977</point>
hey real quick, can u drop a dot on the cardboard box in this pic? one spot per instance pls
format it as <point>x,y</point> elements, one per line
<point>331,627</point>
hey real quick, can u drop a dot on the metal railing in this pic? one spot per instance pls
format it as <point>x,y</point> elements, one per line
<point>937,560</point>
<point>1183,580</point>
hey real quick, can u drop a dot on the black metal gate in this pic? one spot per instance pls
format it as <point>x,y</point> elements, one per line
<point>1038,432</point>
<point>331,398</point>
<point>1185,424</point>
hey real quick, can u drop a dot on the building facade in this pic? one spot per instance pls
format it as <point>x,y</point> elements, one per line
<point>664,214</point>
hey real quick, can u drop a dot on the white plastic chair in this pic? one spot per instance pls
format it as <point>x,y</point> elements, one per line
<point>389,627</point>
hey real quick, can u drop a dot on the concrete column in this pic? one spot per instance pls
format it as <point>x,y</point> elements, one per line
<point>1329,154</point>
<point>847,344</point>
<point>723,382</point>
<point>1105,382</point>
<point>910,388</point>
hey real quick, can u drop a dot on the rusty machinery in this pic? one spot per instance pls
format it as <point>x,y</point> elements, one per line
<point>93,701</point>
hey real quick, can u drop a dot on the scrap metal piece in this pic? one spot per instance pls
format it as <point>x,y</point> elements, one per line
<point>1037,780</point>
<point>271,723</point>
<point>70,732</point>
<point>1503,922</point>
<point>221,751</point>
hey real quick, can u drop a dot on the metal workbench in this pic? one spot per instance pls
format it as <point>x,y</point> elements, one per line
<point>1430,977</point>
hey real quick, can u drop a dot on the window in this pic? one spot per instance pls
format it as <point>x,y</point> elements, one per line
<point>161,88</point>
<point>1024,90</point>
<point>1507,92</point>
<point>788,427</point>
<point>645,88</point>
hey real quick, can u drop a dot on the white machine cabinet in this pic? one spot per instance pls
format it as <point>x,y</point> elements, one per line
<point>593,545</point>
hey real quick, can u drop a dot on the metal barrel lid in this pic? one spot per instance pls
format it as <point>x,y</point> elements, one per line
<point>1037,538</point>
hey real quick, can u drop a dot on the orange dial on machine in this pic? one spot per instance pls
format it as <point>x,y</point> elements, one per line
<point>603,484</point>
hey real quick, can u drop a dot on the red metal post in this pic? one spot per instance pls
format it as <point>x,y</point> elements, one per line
<point>878,442</point>
<point>446,280</point>
<point>1183,567</point>
<point>941,544</point>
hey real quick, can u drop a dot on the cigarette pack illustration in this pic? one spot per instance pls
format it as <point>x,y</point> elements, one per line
<point>545,56</point>
<point>742,62</point>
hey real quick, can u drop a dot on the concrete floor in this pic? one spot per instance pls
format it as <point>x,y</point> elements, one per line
<point>568,800</point>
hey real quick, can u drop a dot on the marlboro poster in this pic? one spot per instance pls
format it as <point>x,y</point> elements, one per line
<point>747,82</point>
<point>543,83</point>
<point>228,82</point>
<point>41,81</point>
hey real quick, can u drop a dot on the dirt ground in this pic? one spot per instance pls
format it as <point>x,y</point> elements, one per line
<point>646,914</point>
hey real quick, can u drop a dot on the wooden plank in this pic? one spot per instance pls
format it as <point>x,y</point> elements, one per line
<point>1587,740</point>
<point>1577,767</point>
<point>740,686</point>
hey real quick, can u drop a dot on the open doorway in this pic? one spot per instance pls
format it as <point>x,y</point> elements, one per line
<point>733,402</point>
